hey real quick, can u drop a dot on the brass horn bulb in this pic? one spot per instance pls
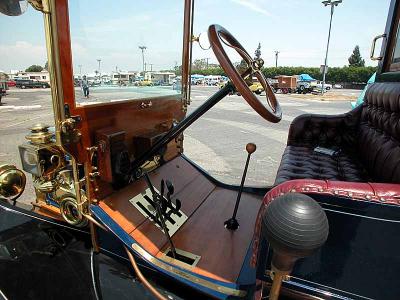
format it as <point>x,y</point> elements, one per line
<point>12,182</point>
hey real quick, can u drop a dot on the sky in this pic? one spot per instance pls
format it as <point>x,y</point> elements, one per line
<point>298,29</point>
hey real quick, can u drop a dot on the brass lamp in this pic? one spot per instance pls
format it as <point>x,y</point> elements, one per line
<point>12,182</point>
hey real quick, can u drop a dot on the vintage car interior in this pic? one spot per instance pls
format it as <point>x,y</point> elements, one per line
<point>327,228</point>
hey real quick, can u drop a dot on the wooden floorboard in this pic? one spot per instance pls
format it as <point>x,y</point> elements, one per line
<point>207,206</point>
<point>222,251</point>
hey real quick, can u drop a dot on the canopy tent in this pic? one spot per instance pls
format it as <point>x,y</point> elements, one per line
<point>197,76</point>
<point>305,77</point>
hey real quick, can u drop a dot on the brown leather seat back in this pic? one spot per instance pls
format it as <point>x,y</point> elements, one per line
<point>379,132</point>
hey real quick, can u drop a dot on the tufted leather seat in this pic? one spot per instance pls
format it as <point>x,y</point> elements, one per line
<point>368,138</point>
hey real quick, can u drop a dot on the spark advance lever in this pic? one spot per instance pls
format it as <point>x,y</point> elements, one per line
<point>232,223</point>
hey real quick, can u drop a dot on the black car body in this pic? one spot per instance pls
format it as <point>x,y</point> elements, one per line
<point>23,84</point>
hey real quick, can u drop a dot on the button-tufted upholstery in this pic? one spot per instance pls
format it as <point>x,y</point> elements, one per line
<point>367,136</point>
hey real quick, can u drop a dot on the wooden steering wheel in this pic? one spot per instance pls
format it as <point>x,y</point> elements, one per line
<point>272,110</point>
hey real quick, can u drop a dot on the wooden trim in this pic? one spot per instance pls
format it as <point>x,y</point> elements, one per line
<point>186,51</point>
<point>389,44</point>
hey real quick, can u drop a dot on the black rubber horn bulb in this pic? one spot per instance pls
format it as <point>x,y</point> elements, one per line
<point>296,226</point>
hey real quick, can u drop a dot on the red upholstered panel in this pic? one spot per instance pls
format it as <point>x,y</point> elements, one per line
<point>387,193</point>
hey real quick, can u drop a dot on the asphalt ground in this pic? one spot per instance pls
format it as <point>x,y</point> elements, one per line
<point>216,141</point>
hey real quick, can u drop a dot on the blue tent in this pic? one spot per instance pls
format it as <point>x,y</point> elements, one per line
<point>305,77</point>
<point>361,96</point>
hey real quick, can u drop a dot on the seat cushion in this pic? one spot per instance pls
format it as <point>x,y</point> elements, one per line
<point>300,162</point>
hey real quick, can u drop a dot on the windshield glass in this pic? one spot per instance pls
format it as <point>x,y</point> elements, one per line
<point>130,51</point>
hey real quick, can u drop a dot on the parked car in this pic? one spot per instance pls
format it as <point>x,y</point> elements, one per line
<point>11,83</point>
<point>337,86</point>
<point>2,93</point>
<point>212,82</point>
<point>327,86</point>
<point>256,87</point>
<point>144,83</point>
<point>23,84</point>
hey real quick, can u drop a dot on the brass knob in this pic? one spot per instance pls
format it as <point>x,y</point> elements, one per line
<point>251,148</point>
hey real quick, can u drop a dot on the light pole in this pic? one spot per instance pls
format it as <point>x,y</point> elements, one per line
<point>206,59</point>
<point>276,58</point>
<point>99,61</point>
<point>143,48</point>
<point>332,4</point>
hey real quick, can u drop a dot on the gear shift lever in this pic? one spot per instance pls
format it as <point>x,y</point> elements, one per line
<point>232,223</point>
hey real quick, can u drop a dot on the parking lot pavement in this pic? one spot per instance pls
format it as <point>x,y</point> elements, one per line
<point>216,142</point>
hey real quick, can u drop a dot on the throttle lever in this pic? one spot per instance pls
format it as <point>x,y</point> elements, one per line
<point>163,203</point>
<point>171,190</point>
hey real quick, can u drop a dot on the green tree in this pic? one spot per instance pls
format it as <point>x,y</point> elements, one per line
<point>46,65</point>
<point>34,68</point>
<point>199,64</point>
<point>355,59</point>
<point>257,53</point>
<point>242,66</point>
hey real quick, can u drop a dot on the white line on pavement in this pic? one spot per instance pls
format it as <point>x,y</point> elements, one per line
<point>22,107</point>
<point>27,120</point>
<point>274,134</point>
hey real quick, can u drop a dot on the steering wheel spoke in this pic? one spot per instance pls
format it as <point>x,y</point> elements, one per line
<point>218,35</point>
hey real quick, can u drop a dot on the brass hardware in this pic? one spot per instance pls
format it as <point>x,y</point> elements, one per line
<point>146,105</point>
<point>372,55</point>
<point>93,172</point>
<point>185,275</point>
<point>39,134</point>
<point>12,182</point>
<point>39,5</point>
<point>195,258</point>
<point>69,133</point>
<point>277,277</point>
<point>271,274</point>
<point>94,175</point>
<point>45,186</point>
<point>149,166</point>
<point>41,159</point>
<point>68,125</point>
<point>92,154</point>
<point>71,213</point>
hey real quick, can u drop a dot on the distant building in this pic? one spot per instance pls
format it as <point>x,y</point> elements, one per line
<point>3,80</point>
<point>163,77</point>
<point>124,77</point>
<point>39,76</point>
